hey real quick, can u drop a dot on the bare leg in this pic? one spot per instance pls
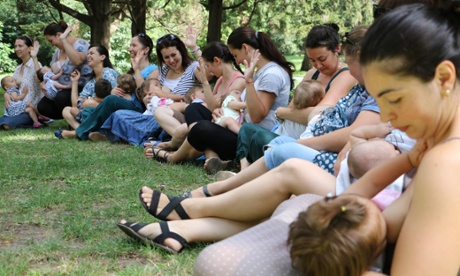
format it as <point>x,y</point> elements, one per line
<point>244,163</point>
<point>32,114</point>
<point>258,198</point>
<point>230,124</point>
<point>257,169</point>
<point>165,119</point>
<point>196,230</point>
<point>66,113</point>
<point>185,152</point>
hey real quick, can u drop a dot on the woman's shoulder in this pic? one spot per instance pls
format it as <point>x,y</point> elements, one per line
<point>81,45</point>
<point>111,71</point>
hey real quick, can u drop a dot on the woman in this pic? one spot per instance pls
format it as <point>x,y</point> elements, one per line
<point>99,61</point>
<point>140,49</point>
<point>176,75</point>
<point>25,77</point>
<point>250,203</point>
<point>70,55</point>
<point>323,49</point>
<point>216,61</point>
<point>265,92</point>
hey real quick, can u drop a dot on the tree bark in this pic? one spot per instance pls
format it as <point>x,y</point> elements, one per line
<point>138,10</point>
<point>215,20</point>
<point>100,25</point>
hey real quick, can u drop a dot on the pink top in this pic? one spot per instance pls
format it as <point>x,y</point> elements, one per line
<point>236,75</point>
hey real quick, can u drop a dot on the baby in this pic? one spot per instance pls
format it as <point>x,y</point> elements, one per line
<point>307,93</point>
<point>49,81</point>
<point>102,89</point>
<point>127,83</point>
<point>17,104</point>
<point>232,107</point>
<point>153,87</point>
<point>338,236</point>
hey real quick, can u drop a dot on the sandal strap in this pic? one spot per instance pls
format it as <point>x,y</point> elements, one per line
<point>166,233</point>
<point>206,191</point>
<point>137,226</point>
<point>173,205</point>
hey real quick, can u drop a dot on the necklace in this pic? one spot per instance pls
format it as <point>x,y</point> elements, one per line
<point>178,72</point>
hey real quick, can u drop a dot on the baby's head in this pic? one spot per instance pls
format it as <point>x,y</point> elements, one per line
<point>42,71</point>
<point>365,155</point>
<point>127,83</point>
<point>195,92</point>
<point>150,86</point>
<point>102,88</point>
<point>308,93</point>
<point>337,236</point>
<point>8,82</point>
<point>235,93</point>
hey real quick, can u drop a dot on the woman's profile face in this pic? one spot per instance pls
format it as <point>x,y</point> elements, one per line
<point>213,68</point>
<point>21,49</point>
<point>239,54</point>
<point>324,60</point>
<point>411,105</point>
<point>94,58</point>
<point>355,68</point>
<point>54,40</point>
<point>135,46</point>
<point>172,58</point>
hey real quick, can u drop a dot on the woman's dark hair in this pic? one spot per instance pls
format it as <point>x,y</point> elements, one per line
<point>102,51</point>
<point>171,40</point>
<point>220,50</point>
<point>146,41</point>
<point>54,28</point>
<point>414,39</point>
<point>352,40</point>
<point>326,35</point>
<point>385,6</point>
<point>262,42</point>
<point>27,40</point>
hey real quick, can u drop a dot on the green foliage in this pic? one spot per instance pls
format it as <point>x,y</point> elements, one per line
<point>7,65</point>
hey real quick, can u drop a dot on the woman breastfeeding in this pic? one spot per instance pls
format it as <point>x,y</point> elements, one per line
<point>265,91</point>
<point>323,49</point>
<point>216,60</point>
<point>99,61</point>
<point>176,75</point>
<point>142,68</point>
<point>70,54</point>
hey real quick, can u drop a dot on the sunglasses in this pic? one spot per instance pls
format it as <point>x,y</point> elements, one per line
<point>169,37</point>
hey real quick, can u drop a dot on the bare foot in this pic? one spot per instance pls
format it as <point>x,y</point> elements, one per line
<point>69,134</point>
<point>214,164</point>
<point>147,195</point>
<point>153,230</point>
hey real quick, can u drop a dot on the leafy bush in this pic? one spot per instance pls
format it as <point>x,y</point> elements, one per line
<point>7,64</point>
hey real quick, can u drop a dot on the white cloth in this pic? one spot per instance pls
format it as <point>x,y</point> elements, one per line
<point>156,102</point>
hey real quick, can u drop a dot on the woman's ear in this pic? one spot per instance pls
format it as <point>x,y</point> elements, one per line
<point>216,60</point>
<point>446,75</point>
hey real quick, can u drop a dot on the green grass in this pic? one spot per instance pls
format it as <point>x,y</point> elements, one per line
<point>61,200</point>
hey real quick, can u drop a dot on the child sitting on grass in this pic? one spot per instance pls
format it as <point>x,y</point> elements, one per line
<point>49,84</point>
<point>17,104</point>
<point>232,107</point>
<point>340,236</point>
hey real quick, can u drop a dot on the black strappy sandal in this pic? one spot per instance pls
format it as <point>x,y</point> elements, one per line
<point>132,230</point>
<point>173,205</point>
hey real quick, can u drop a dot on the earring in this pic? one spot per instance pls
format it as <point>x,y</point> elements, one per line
<point>445,93</point>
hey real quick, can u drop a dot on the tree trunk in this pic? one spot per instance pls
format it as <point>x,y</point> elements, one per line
<point>215,20</point>
<point>101,19</point>
<point>306,65</point>
<point>138,8</point>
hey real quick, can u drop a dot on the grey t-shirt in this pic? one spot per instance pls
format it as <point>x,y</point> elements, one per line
<point>271,78</point>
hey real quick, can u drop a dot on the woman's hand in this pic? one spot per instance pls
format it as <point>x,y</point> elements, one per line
<point>35,49</point>
<point>147,98</point>
<point>218,112</point>
<point>190,40</point>
<point>135,61</point>
<point>117,91</point>
<point>249,72</point>
<point>201,74</point>
<point>75,76</point>
<point>64,35</point>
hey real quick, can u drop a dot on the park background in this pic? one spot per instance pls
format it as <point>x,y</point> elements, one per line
<point>60,200</point>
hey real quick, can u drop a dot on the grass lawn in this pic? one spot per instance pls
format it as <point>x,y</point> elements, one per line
<point>61,200</point>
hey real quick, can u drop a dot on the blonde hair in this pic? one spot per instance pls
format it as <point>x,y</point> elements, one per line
<point>308,93</point>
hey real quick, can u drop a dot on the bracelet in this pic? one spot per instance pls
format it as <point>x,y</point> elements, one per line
<point>249,82</point>
<point>196,50</point>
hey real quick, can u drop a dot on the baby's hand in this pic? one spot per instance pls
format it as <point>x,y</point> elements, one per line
<point>383,129</point>
<point>416,153</point>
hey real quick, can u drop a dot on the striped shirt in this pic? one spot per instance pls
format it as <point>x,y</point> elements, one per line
<point>186,81</point>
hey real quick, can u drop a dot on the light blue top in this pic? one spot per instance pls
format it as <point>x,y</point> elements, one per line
<point>108,74</point>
